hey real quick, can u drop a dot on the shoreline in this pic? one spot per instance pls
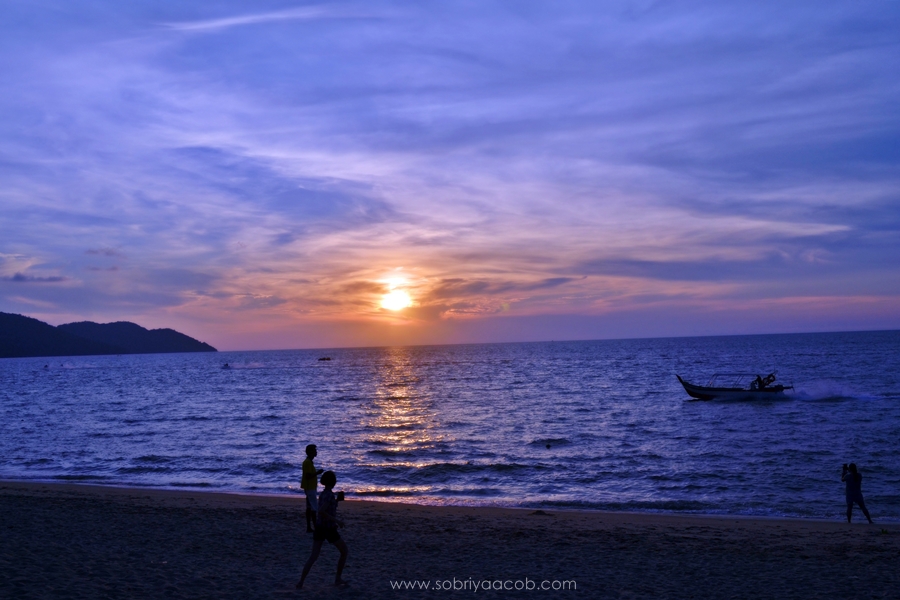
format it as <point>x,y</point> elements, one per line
<point>86,541</point>
<point>176,492</point>
<point>238,498</point>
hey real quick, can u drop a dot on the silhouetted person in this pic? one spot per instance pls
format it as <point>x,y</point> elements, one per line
<point>853,479</point>
<point>309,482</point>
<point>327,525</point>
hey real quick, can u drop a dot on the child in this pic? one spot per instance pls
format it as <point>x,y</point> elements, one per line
<point>327,525</point>
<point>309,483</point>
<point>853,478</point>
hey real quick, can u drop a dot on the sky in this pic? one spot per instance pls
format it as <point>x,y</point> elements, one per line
<point>261,175</point>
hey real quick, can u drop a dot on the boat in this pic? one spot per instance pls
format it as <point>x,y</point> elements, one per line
<point>737,386</point>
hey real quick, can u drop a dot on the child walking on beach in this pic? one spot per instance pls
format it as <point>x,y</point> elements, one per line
<point>327,525</point>
<point>309,484</point>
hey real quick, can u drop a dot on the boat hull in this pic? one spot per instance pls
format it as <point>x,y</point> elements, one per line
<point>712,393</point>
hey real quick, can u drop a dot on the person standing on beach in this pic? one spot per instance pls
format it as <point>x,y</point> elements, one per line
<point>309,483</point>
<point>327,525</point>
<point>853,479</point>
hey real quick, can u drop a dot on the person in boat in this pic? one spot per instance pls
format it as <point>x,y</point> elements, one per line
<point>853,478</point>
<point>761,382</point>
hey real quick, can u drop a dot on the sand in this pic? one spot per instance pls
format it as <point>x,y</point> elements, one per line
<point>76,541</point>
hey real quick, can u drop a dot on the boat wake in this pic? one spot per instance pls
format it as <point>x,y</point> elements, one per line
<point>825,390</point>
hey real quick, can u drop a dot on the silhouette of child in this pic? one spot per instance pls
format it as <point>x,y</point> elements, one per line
<point>327,525</point>
<point>853,479</point>
<point>309,483</point>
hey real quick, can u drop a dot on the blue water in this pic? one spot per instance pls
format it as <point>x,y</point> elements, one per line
<point>598,425</point>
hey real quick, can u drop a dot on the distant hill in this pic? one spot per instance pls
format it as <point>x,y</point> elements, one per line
<point>23,336</point>
<point>134,339</point>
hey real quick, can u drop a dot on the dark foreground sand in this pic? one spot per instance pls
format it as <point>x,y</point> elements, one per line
<point>72,541</point>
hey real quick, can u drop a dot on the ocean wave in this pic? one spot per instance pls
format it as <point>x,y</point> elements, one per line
<point>634,506</point>
<point>275,467</point>
<point>192,484</point>
<point>385,493</point>
<point>429,492</point>
<point>143,470</point>
<point>405,454</point>
<point>442,472</point>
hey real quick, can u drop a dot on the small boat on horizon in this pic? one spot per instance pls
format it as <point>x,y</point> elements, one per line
<point>736,386</point>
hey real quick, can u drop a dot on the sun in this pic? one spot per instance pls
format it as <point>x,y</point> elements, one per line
<point>396,300</point>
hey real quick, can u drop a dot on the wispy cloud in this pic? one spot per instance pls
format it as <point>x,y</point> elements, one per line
<point>22,278</point>
<point>112,252</point>
<point>305,13</point>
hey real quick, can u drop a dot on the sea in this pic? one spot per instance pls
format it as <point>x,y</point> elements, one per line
<point>591,425</point>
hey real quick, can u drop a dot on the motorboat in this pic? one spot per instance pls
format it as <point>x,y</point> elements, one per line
<point>737,386</point>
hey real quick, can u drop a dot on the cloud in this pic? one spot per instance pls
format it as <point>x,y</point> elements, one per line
<point>305,13</point>
<point>22,278</point>
<point>112,252</point>
<point>250,301</point>
<point>461,288</point>
<point>364,287</point>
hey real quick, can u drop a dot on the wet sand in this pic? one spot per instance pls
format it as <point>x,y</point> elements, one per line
<point>78,541</point>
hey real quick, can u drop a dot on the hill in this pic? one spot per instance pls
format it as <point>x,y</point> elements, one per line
<point>134,339</point>
<point>22,336</point>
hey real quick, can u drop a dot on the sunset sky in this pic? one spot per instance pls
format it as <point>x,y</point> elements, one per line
<point>263,174</point>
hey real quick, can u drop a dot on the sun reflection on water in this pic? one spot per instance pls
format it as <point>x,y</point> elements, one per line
<point>401,418</point>
<point>401,422</point>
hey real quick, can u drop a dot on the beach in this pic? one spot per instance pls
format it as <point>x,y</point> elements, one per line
<point>81,541</point>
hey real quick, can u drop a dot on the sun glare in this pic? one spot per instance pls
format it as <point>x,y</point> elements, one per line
<point>396,300</point>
